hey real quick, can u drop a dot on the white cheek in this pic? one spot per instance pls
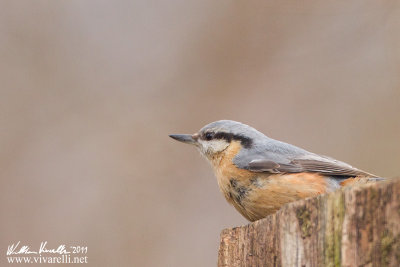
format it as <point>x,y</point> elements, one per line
<point>214,146</point>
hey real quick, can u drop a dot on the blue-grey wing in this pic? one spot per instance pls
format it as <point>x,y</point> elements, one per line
<point>279,157</point>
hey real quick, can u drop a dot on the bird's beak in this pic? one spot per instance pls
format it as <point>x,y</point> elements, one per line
<point>186,138</point>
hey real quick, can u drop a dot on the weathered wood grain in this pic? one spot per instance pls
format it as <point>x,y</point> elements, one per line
<point>351,227</point>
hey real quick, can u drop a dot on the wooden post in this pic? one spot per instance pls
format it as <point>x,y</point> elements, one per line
<point>351,227</point>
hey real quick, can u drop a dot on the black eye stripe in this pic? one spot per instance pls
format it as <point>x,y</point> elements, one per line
<point>221,135</point>
<point>245,141</point>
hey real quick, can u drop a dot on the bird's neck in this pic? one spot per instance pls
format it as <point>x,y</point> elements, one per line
<point>225,169</point>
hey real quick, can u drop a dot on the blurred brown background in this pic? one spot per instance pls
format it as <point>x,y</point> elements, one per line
<point>90,91</point>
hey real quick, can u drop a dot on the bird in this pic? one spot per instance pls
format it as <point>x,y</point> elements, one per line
<point>258,174</point>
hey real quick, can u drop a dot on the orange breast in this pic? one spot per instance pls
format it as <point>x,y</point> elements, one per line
<point>256,195</point>
<point>224,169</point>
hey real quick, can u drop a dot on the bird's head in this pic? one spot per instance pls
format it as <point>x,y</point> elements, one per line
<point>215,137</point>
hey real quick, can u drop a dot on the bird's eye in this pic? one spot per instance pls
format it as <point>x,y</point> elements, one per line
<point>209,136</point>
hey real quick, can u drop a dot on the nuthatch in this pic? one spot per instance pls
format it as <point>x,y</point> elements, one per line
<point>258,175</point>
